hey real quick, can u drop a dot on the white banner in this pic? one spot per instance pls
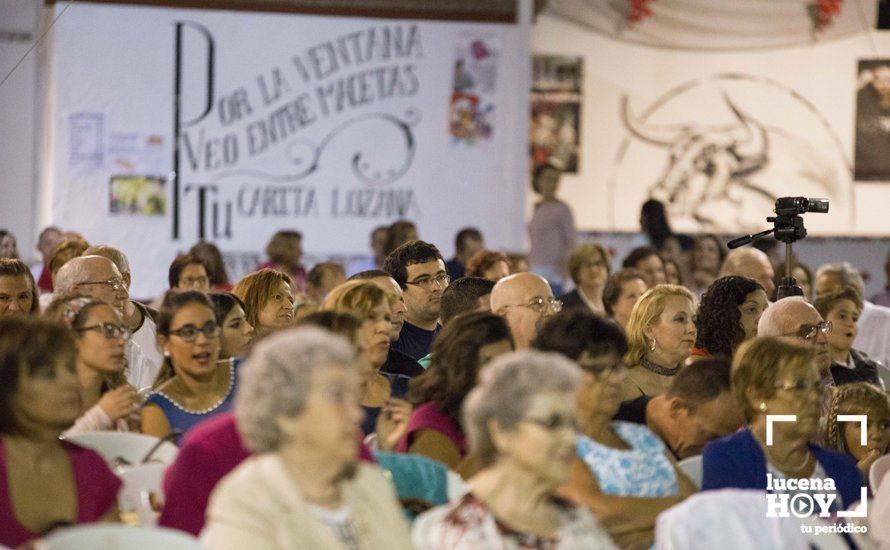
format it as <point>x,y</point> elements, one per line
<point>173,125</point>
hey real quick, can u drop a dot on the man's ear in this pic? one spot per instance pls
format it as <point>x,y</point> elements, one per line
<point>499,437</point>
<point>678,406</point>
<point>127,280</point>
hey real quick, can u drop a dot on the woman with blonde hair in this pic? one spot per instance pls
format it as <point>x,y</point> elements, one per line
<point>268,298</point>
<point>589,268</point>
<point>382,392</point>
<point>860,398</point>
<point>660,337</point>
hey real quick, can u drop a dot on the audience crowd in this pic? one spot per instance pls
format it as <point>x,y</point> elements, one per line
<point>473,403</point>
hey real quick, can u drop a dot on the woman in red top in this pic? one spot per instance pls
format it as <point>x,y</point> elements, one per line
<point>44,482</point>
<point>460,351</point>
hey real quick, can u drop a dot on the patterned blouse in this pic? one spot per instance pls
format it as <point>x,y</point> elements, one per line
<point>641,471</point>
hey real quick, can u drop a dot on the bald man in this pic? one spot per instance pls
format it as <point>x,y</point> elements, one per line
<point>524,300</point>
<point>753,264</point>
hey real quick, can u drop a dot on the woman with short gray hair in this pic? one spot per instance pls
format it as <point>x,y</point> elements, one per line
<point>298,410</point>
<point>520,421</point>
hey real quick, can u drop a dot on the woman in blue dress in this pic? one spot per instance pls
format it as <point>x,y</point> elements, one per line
<point>193,385</point>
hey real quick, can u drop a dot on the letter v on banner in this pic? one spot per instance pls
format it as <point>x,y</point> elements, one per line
<point>770,418</point>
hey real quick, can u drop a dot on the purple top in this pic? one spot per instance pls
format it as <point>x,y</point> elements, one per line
<point>429,417</point>
<point>552,234</point>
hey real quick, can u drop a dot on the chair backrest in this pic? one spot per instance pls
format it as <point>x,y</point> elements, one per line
<point>124,448</point>
<point>118,537</point>
<point>692,467</point>
<point>877,471</point>
<point>142,495</point>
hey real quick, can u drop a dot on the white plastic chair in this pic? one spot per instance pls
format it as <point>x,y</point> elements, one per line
<point>877,471</point>
<point>692,467</point>
<point>141,485</point>
<point>118,537</point>
<point>128,449</point>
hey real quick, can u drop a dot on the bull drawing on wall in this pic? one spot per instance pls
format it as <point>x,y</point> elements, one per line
<point>711,171</point>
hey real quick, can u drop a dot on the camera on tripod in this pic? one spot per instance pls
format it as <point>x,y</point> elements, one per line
<point>788,228</point>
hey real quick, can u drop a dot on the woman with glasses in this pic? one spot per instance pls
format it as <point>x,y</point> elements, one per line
<point>109,402</point>
<point>773,377</point>
<point>728,315</point>
<point>382,393</point>
<point>460,352</point>
<point>188,272</point>
<point>268,297</point>
<point>589,268</point>
<point>622,471</point>
<point>192,385</point>
<point>660,334</point>
<point>45,482</point>
<point>521,425</point>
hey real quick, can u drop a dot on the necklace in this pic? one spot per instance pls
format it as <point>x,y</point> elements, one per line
<point>212,407</point>
<point>657,369</point>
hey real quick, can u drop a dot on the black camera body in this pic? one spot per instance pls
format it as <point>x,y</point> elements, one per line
<point>794,206</point>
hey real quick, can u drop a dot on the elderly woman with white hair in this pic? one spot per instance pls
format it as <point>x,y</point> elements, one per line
<point>298,411</point>
<point>521,425</point>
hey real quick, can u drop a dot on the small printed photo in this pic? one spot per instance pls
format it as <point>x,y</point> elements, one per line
<point>555,126</point>
<point>137,195</point>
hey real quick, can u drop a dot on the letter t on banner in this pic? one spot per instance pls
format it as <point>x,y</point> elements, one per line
<point>770,418</point>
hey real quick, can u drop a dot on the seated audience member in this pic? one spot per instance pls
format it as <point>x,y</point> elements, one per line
<point>873,337</point>
<point>804,277</point>
<point>614,459</point>
<point>45,482</point>
<point>697,407</point>
<point>99,278</point>
<point>753,264</point>
<point>660,335</point>
<point>467,243</point>
<point>621,293</point>
<point>672,272</point>
<point>236,333</point>
<point>464,295</point>
<point>47,241</point>
<point>860,398</point>
<point>213,449</point>
<point>795,321</point>
<point>773,377</point>
<point>589,269</point>
<point>379,237</point>
<point>648,263</point>
<point>525,301</point>
<point>18,293</point>
<point>488,264</point>
<point>520,423</point>
<point>8,246</point>
<point>419,270</point>
<point>463,348</point>
<point>269,299</point>
<point>842,310</point>
<point>382,392</point>
<point>136,316</point>
<point>728,315</point>
<point>322,278</point>
<point>108,401</point>
<point>209,255</point>
<point>67,249</point>
<point>707,256</point>
<point>396,362</point>
<point>518,263</point>
<point>285,252</point>
<point>304,487</point>
<point>192,385</point>
<point>400,232</point>
<point>187,272</point>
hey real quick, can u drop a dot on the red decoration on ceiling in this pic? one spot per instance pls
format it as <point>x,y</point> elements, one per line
<point>639,10</point>
<point>823,11</point>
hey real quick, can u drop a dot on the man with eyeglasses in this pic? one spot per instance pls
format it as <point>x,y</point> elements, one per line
<point>419,269</point>
<point>525,301</point>
<point>97,277</point>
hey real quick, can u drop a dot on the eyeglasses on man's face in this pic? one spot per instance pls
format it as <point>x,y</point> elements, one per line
<point>428,283</point>
<point>541,305</point>
<point>189,333</point>
<point>113,284</point>
<point>809,332</point>
<point>110,331</point>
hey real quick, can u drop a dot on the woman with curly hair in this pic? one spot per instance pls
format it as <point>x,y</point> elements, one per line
<point>728,315</point>
<point>465,345</point>
<point>488,264</point>
<point>864,399</point>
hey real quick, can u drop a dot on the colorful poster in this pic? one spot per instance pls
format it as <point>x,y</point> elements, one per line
<point>872,161</point>
<point>474,90</point>
<point>555,129</point>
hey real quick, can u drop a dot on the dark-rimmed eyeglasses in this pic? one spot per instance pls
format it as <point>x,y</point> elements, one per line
<point>110,331</point>
<point>189,333</point>
<point>428,282</point>
<point>808,332</point>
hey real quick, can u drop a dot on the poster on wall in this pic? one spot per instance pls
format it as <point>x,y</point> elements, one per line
<point>555,127</point>
<point>238,125</point>
<point>873,121</point>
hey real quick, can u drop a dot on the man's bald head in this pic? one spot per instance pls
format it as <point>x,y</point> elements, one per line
<point>513,298</point>
<point>787,318</point>
<point>751,263</point>
<point>93,276</point>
